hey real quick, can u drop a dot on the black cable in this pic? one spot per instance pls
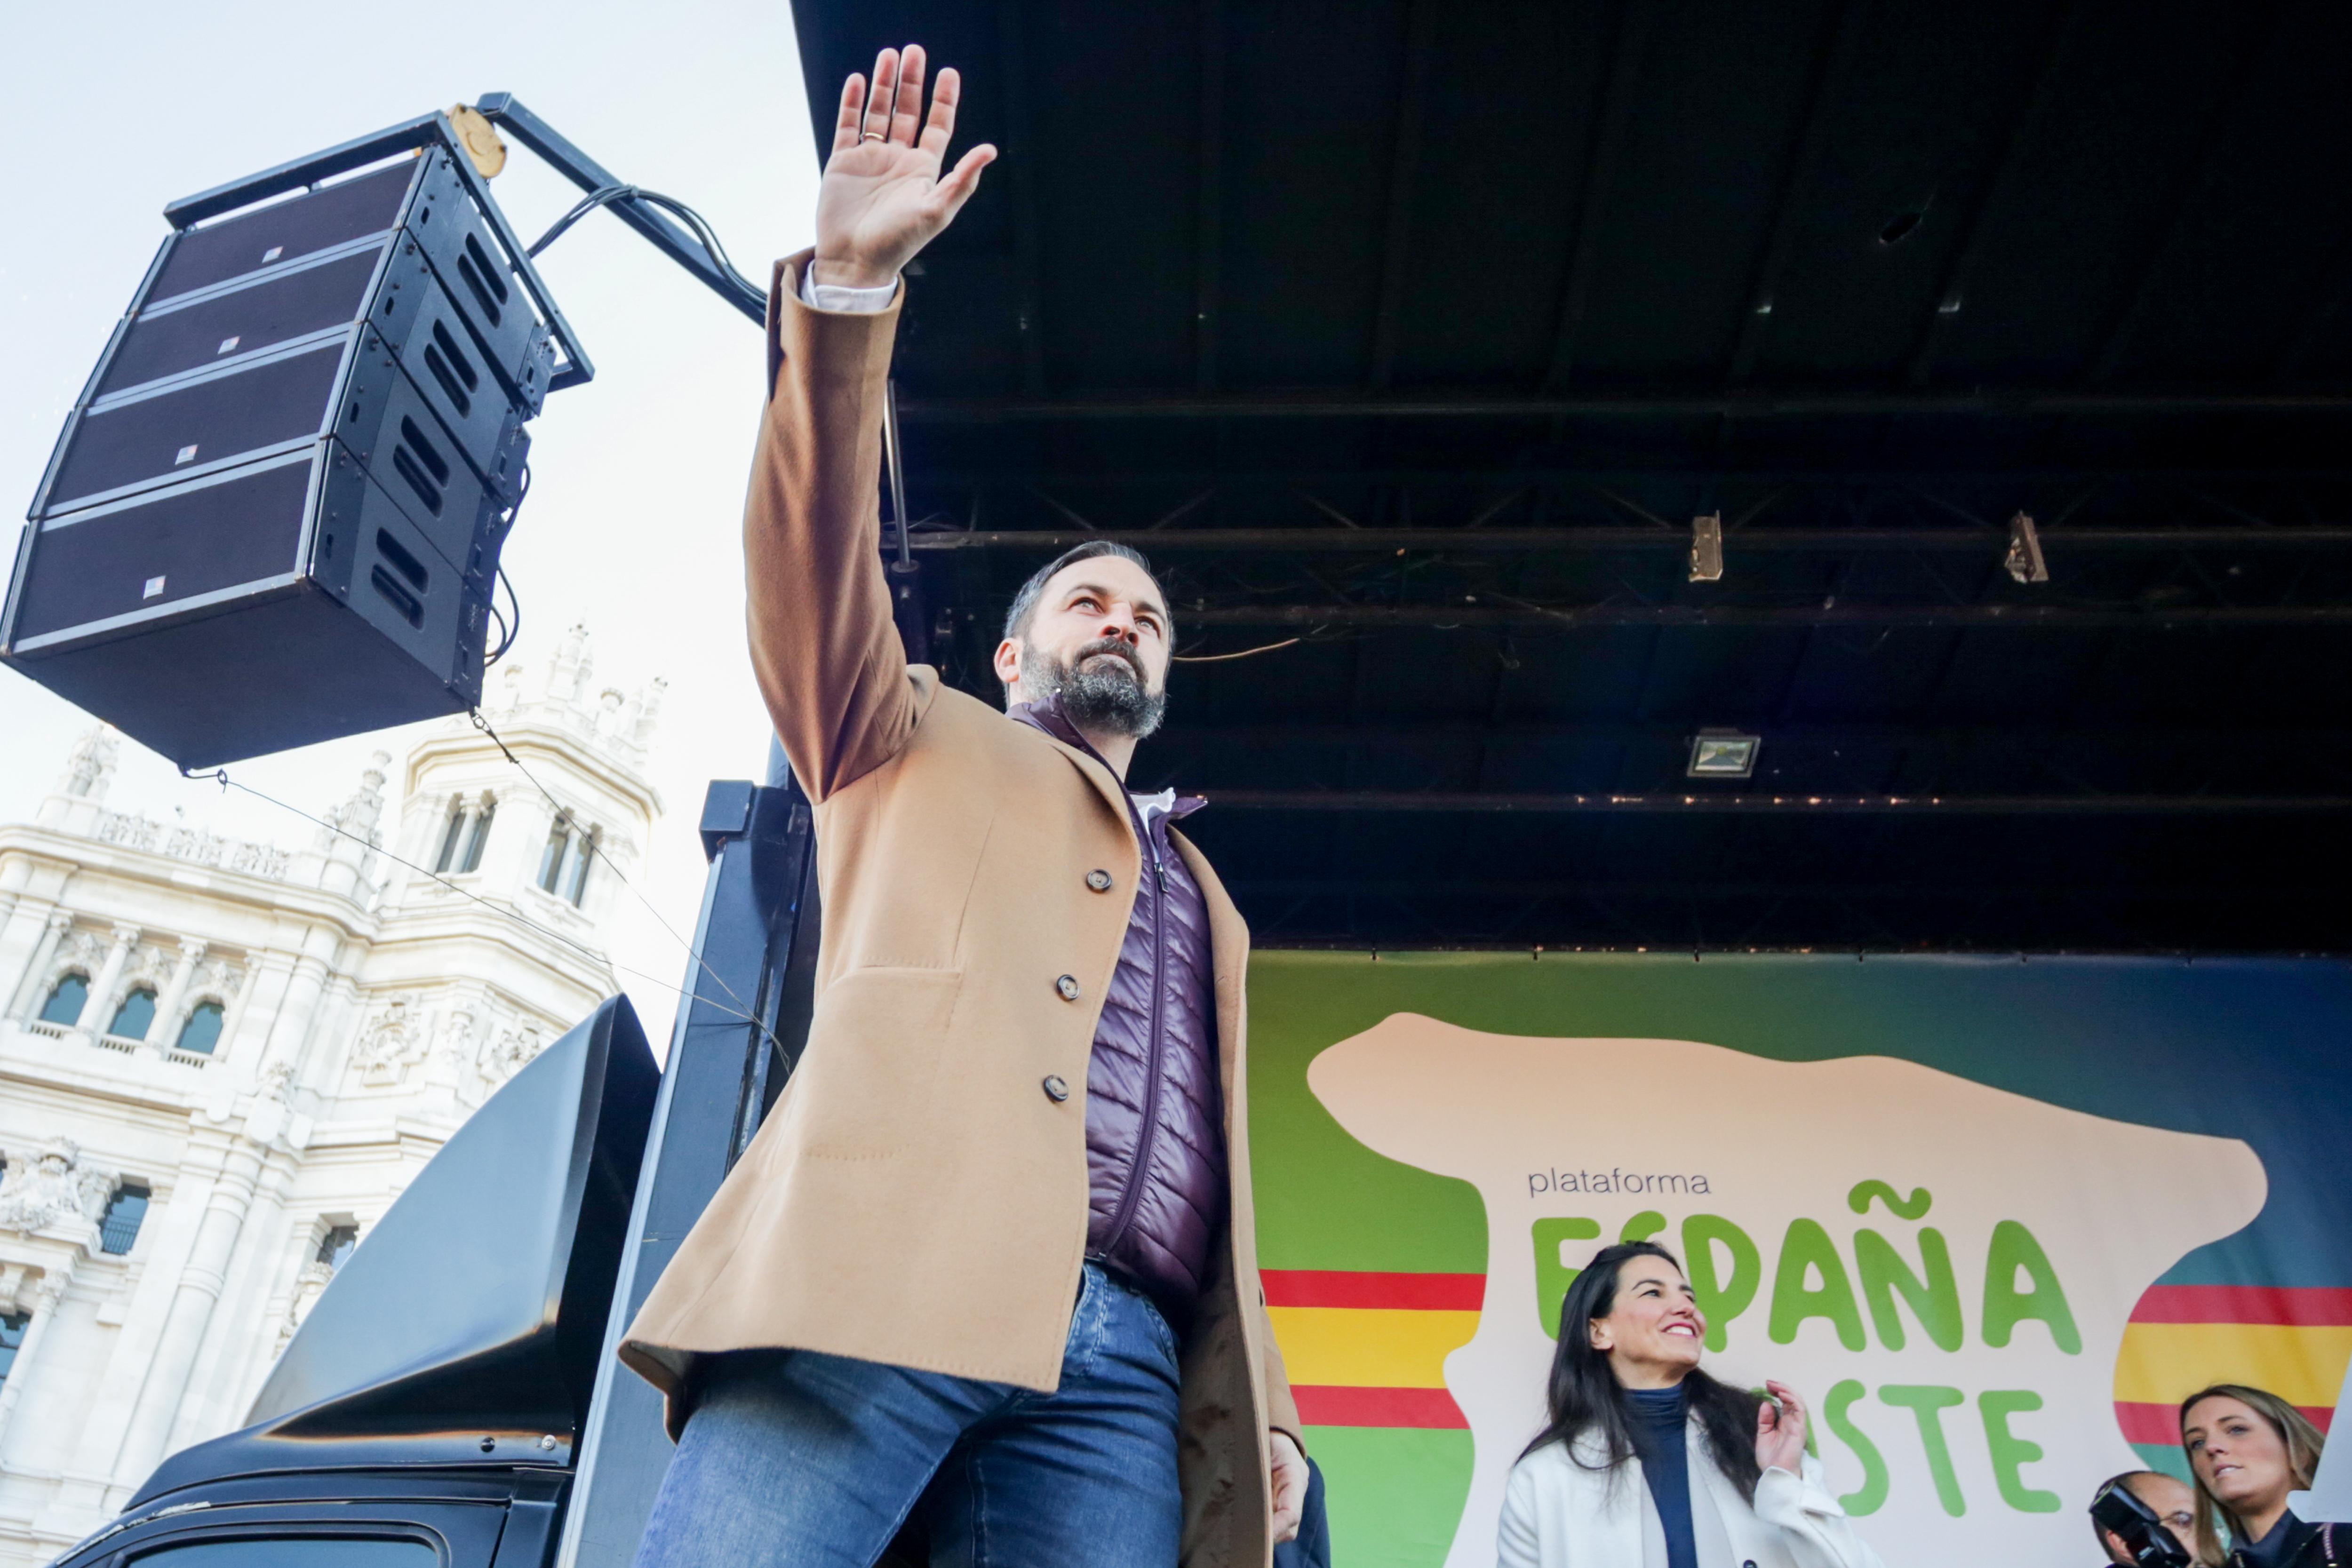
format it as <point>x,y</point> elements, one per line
<point>701,226</point>
<point>506,638</point>
<point>508,630</point>
<point>702,231</point>
<point>580,209</point>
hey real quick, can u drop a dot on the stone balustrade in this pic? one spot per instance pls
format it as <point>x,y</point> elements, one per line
<point>199,845</point>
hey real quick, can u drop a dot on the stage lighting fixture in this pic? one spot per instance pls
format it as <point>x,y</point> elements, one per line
<point>1723,753</point>
<point>2023,561</point>
<point>1706,547</point>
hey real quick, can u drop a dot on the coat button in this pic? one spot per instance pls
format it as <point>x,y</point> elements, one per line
<point>1056,1089</point>
<point>1068,986</point>
<point>1099,881</point>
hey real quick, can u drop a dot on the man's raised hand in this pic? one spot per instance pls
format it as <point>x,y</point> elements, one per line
<point>882,198</point>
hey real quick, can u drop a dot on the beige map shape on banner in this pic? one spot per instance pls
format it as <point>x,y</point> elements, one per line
<point>2042,1226</point>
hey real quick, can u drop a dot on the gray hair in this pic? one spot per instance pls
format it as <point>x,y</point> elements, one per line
<point>1024,602</point>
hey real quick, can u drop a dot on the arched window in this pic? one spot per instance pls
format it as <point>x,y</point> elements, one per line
<point>479,837</point>
<point>468,831</point>
<point>583,850</point>
<point>67,998</point>
<point>563,863</point>
<point>452,835</point>
<point>135,1017</point>
<point>118,1232</point>
<point>336,1245</point>
<point>550,859</point>
<point>202,1033</point>
<point>12,1340</point>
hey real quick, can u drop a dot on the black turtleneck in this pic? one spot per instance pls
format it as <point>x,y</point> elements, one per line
<point>1659,1418</point>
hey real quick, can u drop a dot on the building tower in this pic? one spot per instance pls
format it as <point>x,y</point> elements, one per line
<point>222,1059</point>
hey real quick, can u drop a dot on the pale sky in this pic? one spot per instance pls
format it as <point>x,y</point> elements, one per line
<point>637,478</point>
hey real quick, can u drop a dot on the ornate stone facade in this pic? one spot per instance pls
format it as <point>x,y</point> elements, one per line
<point>259,1047</point>
<point>55,1189</point>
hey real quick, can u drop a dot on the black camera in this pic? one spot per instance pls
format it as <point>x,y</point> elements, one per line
<point>2151,1545</point>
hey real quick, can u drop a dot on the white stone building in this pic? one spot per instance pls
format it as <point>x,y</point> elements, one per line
<point>221,1060</point>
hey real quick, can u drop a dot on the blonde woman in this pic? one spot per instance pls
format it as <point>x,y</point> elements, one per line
<point>2248,1450</point>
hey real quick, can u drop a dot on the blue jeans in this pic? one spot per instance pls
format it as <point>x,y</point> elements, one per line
<point>795,1459</point>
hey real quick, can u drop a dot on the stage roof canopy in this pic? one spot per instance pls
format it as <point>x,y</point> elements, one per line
<point>1412,339</point>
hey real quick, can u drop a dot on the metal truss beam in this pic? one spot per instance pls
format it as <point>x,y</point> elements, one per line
<point>2020,403</point>
<point>1384,541</point>
<point>1410,737</point>
<point>1483,614</point>
<point>1543,888</point>
<point>1589,477</point>
<point>1704,804</point>
<point>1612,918</point>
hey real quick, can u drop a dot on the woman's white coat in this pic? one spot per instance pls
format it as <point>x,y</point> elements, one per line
<point>1558,1514</point>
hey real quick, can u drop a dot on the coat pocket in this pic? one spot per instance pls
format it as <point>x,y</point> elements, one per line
<point>869,1080</point>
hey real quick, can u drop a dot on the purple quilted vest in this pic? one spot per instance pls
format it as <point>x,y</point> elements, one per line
<point>1155,1119</point>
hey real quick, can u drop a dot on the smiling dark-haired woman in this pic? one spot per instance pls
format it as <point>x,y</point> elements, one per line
<point>1647,1461</point>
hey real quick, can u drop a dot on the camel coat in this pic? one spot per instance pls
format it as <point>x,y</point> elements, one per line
<point>917,1196</point>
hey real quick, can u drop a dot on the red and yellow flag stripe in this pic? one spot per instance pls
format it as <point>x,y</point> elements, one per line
<point>2293,1341</point>
<point>1369,1349</point>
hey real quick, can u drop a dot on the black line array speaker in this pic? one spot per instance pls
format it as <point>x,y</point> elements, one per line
<point>275,514</point>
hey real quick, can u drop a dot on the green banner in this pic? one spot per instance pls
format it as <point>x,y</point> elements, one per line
<point>1992,1218</point>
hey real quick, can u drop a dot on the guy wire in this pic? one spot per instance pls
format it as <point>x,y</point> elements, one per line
<point>597,852</point>
<point>220,775</point>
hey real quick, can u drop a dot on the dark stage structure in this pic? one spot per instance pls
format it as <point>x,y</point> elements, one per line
<point>1952,397</point>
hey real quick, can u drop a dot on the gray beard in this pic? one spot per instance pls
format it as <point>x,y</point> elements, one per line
<point>1107,694</point>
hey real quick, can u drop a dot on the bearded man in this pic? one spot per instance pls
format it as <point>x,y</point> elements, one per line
<point>987,1278</point>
